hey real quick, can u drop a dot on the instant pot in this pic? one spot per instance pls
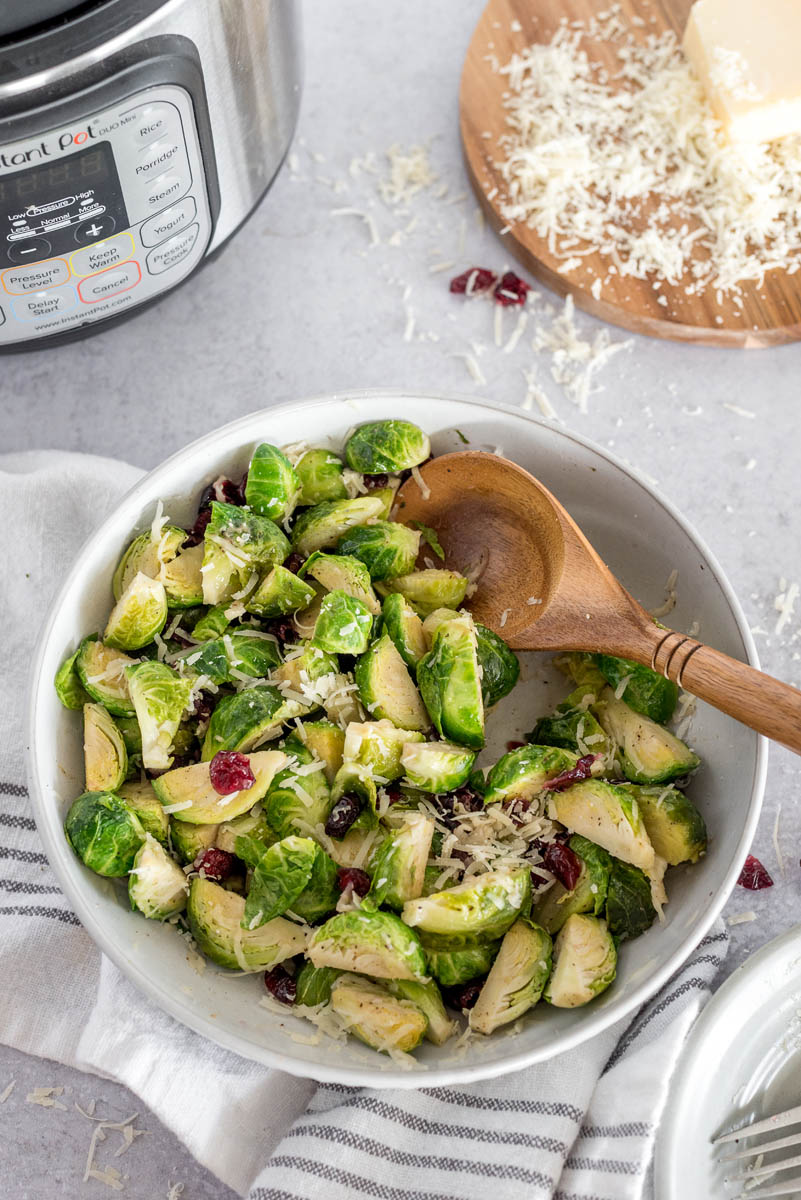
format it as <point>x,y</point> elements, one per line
<point>135,137</point>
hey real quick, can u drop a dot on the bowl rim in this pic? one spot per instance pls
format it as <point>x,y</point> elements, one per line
<point>56,847</point>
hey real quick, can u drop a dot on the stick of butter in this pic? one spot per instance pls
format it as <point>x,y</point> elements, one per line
<point>747,54</point>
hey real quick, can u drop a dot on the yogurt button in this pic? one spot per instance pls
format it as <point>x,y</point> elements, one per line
<point>171,221</point>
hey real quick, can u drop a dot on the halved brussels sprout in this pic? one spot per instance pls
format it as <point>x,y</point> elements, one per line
<point>305,619</point>
<point>244,720</point>
<point>326,741</point>
<point>104,832</point>
<point>161,697</point>
<point>436,618</point>
<point>199,803</point>
<point>321,527</point>
<point>297,802</point>
<point>157,887</point>
<point>483,906</point>
<point>377,1018</point>
<point>147,555</point>
<point>281,874</point>
<point>450,684</point>
<point>606,815</point>
<point>236,543</point>
<point>644,690</point>
<point>399,866</point>
<point>584,962</point>
<point>573,729</point>
<point>320,895</point>
<point>252,825</point>
<point>343,624</point>
<point>104,754</point>
<point>342,573</point>
<point>357,848</point>
<point>182,578</point>
<point>588,895</point>
<point>272,487</point>
<point>68,685</point>
<point>405,628</point>
<point>190,840</point>
<point>428,590</point>
<point>385,447</point>
<point>378,746</point>
<point>320,474</point>
<point>675,828</point>
<point>386,548</point>
<point>583,670</point>
<point>141,797</point>
<point>314,984</point>
<point>516,979</point>
<point>498,665</point>
<point>649,753</point>
<point>304,667</point>
<point>101,670</point>
<point>386,688</point>
<point>521,773</point>
<point>427,997</point>
<point>139,614</point>
<point>629,907</point>
<point>437,766</point>
<point>279,592</point>
<point>368,942</point>
<point>237,653</point>
<point>214,916</point>
<point>460,962</point>
<point>212,624</point>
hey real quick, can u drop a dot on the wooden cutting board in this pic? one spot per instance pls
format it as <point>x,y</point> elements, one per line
<point>771,311</point>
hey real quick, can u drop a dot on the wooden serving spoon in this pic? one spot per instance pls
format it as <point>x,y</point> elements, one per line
<point>543,587</point>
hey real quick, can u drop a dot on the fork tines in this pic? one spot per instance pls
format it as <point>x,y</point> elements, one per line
<point>760,1170</point>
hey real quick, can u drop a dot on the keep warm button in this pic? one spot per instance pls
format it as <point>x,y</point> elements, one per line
<point>173,252</point>
<point>109,283</point>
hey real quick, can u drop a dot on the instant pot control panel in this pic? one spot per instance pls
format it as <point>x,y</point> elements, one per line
<point>100,215</point>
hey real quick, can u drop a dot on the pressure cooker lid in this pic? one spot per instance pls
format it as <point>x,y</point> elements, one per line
<point>18,16</point>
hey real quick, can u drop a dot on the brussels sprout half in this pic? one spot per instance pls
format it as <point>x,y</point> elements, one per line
<point>343,625</point>
<point>157,887</point>
<point>675,828</point>
<point>297,802</point>
<point>139,614</point>
<point>629,906</point>
<point>386,688</point>
<point>606,815</point>
<point>320,474</point>
<point>214,916</point>
<point>147,555</point>
<point>240,652</point>
<point>104,832</point>
<point>183,579</point>
<point>484,906</point>
<point>68,685</point>
<point>304,666</point>
<point>450,684</point>
<point>242,721</point>
<point>405,628</point>
<point>190,792</point>
<point>161,697</point>
<point>280,592</point>
<point>461,962</point>
<point>101,670</point>
<point>282,872</point>
<point>343,573</point>
<point>648,752</point>
<point>376,1017</point>
<point>326,741</point>
<point>272,486</point>
<point>314,984</point>
<point>252,824</point>
<point>104,753</point>
<point>399,866</point>
<point>378,746</point>
<point>516,979</point>
<point>428,590</point>
<point>521,773</point>
<point>426,997</point>
<point>386,548</point>
<point>499,666</point>
<point>644,690</point>
<point>321,527</point>
<point>386,447</point>
<point>368,942</point>
<point>574,729</point>
<point>584,962</point>
<point>189,840</point>
<point>436,766</point>
<point>236,543</point>
<point>140,796</point>
<point>588,895</point>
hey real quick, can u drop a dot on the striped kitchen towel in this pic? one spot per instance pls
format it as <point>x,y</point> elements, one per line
<point>577,1128</point>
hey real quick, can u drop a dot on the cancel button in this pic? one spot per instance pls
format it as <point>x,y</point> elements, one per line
<point>173,220</point>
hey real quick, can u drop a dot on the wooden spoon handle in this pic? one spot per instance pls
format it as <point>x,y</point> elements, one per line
<point>759,701</point>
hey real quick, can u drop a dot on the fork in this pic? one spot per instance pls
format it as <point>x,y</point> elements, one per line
<point>759,1170</point>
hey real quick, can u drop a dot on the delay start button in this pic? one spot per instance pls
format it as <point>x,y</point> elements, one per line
<point>173,252</point>
<point>109,283</point>
<point>51,302</point>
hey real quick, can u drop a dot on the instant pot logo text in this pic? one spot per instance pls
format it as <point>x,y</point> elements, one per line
<point>49,147</point>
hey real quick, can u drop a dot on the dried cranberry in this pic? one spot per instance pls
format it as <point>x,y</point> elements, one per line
<point>515,745</point>
<point>228,492</point>
<point>198,530</point>
<point>294,563</point>
<point>511,290</point>
<point>230,771</point>
<point>562,862</point>
<point>582,770</point>
<point>469,799</point>
<point>284,630</point>
<point>215,864</point>
<point>754,876</point>
<point>537,880</point>
<point>279,983</point>
<point>352,877</point>
<point>376,481</point>
<point>394,794</point>
<point>203,707</point>
<point>342,815</point>
<point>474,282</point>
<point>464,997</point>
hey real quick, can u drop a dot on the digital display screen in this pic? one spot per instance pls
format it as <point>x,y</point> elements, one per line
<point>50,200</point>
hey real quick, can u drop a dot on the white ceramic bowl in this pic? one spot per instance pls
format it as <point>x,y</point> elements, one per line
<point>642,538</point>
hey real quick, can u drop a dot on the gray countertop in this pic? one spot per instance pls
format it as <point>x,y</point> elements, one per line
<point>301,303</point>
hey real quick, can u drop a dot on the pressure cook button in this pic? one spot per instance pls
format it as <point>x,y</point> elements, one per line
<point>93,230</point>
<point>173,252</point>
<point>102,255</point>
<point>109,283</point>
<point>28,250</point>
<point>168,187</point>
<point>171,220</point>
<point>20,280</point>
<point>158,158</point>
<point>48,303</point>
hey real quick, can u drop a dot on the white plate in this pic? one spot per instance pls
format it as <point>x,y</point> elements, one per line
<point>641,536</point>
<point>741,1063</point>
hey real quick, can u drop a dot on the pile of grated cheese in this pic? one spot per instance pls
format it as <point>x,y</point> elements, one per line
<point>631,163</point>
